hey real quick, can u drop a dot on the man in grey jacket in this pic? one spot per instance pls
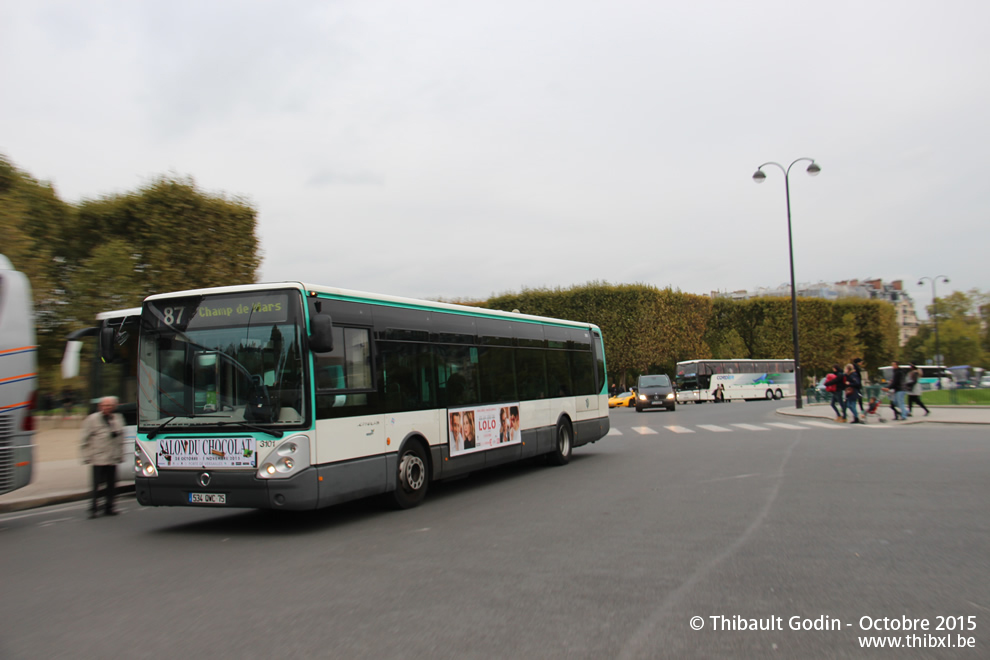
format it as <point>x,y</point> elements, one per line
<point>103,448</point>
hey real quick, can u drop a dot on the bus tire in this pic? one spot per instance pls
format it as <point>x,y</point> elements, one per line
<point>413,477</point>
<point>769,395</point>
<point>778,394</point>
<point>561,454</point>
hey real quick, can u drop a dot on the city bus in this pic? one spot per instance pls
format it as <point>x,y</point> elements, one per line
<point>750,380</point>
<point>18,378</point>
<point>294,396</point>
<point>932,377</point>
<point>112,369</point>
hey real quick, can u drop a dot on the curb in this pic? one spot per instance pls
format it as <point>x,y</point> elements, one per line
<point>57,498</point>
<point>793,412</point>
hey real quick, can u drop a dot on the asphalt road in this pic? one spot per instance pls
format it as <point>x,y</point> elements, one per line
<point>611,556</point>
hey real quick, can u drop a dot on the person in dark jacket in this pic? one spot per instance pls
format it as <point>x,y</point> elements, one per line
<point>862,382</point>
<point>835,383</point>
<point>897,389</point>
<point>853,387</point>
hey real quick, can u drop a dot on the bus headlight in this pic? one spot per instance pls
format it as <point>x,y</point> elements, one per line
<point>286,459</point>
<point>670,396</point>
<point>143,465</point>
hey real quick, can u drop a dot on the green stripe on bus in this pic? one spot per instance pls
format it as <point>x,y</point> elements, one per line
<point>426,308</point>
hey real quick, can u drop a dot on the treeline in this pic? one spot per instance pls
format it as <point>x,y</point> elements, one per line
<point>111,252</point>
<point>649,330</point>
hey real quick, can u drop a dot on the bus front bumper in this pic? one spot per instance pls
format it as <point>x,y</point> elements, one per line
<point>228,489</point>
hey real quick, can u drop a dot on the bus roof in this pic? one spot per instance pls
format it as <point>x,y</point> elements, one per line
<point>737,360</point>
<point>119,313</point>
<point>366,297</point>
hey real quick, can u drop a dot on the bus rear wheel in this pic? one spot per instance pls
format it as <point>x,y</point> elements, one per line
<point>413,477</point>
<point>561,454</point>
<point>778,394</point>
<point>769,395</point>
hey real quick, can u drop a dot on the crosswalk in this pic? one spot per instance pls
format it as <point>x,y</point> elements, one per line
<point>751,428</point>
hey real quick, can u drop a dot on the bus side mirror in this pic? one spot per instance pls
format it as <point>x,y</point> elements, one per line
<point>107,351</point>
<point>321,333</point>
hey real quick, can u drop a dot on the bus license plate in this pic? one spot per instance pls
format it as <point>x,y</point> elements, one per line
<point>207,498</point>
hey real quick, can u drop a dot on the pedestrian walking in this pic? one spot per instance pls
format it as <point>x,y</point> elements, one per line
<point>862,382</point>
<point>913,386</point>
<point>103,448</point>
<point>853,387</point>
<point>835,384</point>
<point>897,388</point>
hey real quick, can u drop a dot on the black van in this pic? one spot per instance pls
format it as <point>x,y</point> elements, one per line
<point>655,392</point>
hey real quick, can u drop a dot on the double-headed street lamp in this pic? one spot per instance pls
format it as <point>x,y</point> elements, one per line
<point>760,177</point>
<point>938,357</point>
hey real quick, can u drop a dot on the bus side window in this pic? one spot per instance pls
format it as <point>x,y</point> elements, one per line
<point>345,372</point>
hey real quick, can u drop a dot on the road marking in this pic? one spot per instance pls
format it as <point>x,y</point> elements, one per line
<point>679,429</point>
<point>644,430</point>
<point>716,429</point>
<point>782,425</point>
<point>826,425</point>
<point>751,427</point>
<point>738,476</point>
<point>614,431</point>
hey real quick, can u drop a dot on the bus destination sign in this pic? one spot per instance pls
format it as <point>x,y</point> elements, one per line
<point>215,311</point>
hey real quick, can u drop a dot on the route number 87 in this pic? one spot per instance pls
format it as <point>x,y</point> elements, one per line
<point>173,315</point>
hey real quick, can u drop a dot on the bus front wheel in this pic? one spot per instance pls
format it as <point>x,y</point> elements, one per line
<point>561,453</point>
<point>413,478</point>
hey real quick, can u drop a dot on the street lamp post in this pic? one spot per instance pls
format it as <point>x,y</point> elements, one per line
<point>759,177</point>
<point>921,282</point>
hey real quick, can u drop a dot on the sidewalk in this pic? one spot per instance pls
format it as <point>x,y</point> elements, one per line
<point>940,414</point>
<point>60,475</point>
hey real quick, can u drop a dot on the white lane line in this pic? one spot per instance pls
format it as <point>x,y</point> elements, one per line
<point>714,428</point>
<point>826,425</point>
<point>679,429</point>
<point>644,430</point>
<point>614,431</point>
<point>738,476</point>
<point>783,425</point>
<point>751,427</point>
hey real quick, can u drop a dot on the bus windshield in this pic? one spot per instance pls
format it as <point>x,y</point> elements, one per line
<point>222,360</point>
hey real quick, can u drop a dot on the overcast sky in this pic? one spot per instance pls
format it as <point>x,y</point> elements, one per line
<point>464,149</point>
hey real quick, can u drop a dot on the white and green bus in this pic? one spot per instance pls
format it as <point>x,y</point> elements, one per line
<point>293,396</point>
<point>112,360</point>
<point>18,378</point>
<point>749,380</point>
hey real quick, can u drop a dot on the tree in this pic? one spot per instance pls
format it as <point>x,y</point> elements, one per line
<point>961,329</point>
<point>32,221</point>
<point>176,236</point>
<point>112,252</point>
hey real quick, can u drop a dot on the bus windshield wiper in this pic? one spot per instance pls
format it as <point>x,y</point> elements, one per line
<point>151,435</point>
<point>260,429</point>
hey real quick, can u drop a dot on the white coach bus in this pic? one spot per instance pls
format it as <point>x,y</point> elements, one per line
<point>293,396</point>
<point>18,378</point>
<point>750,380</point>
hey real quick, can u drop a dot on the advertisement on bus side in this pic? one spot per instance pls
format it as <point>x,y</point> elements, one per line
<point>483,427</point>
